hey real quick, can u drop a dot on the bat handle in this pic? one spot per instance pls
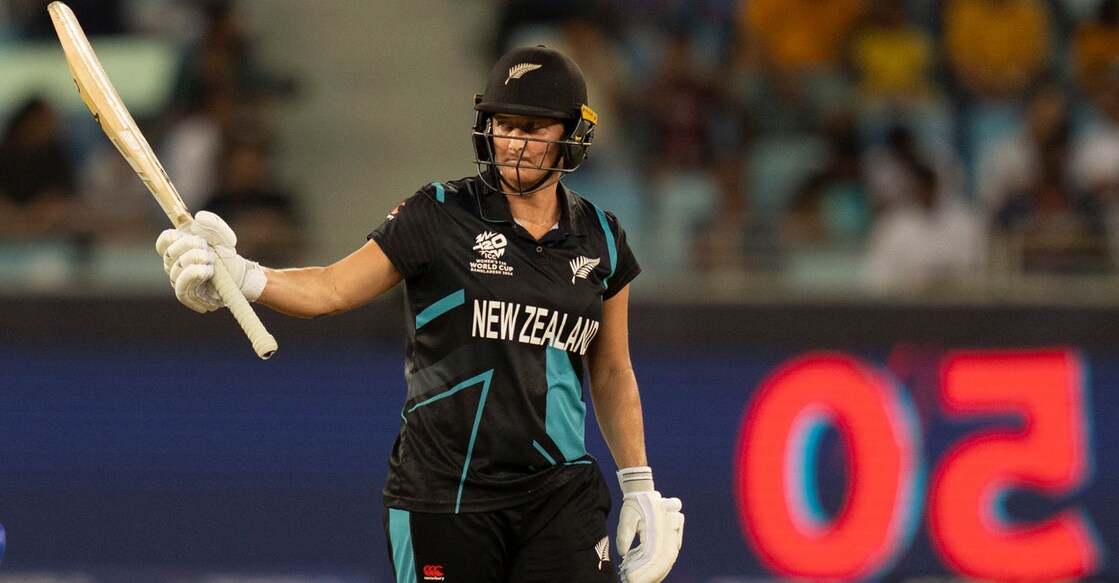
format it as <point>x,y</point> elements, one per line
<point>263,342</point>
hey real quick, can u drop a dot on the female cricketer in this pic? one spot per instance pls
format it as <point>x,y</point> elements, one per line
<point>516,289</point>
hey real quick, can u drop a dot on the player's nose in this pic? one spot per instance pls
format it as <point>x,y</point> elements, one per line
<point>516,145</point>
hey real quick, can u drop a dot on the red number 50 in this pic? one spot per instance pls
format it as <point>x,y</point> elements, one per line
<point>1047,451</point>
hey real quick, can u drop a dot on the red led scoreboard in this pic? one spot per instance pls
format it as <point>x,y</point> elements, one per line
<point>1038,441</point>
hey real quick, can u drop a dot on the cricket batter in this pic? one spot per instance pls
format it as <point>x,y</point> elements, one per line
<point>516,290</point>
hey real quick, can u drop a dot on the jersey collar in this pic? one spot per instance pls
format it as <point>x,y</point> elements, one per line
<point>494,207</point>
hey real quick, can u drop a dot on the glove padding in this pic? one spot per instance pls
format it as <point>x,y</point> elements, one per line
<point>656,520</point>
<point>188,258</point>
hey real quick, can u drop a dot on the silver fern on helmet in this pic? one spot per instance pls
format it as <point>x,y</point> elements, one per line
<point>517,71</point>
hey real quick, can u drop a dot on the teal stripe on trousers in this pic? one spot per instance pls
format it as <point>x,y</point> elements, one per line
<point>400,536</point>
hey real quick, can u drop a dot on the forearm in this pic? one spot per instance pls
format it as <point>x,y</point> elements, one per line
<point>617,404</point>
<point>644,513</point>
<point>306,292</point>
<point>309,292</point>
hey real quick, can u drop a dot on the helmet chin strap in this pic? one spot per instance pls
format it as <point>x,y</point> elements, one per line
<point>544,182</point>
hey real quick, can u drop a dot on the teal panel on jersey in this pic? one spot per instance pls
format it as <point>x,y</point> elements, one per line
<point>484,379</point>
<point>400,537</point>
<point>440,307</point>
<point>611,248</point>
<point>565,417</point>
<point>440,192</point>
<point>436,377</point>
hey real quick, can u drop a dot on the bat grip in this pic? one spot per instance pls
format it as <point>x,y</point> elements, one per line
<point>263,342</point>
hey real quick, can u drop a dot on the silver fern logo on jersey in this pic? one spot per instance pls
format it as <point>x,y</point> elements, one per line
<point>518,71</point>
<point>602,549</point>
<point>491,246</point>
<point>582,266</point>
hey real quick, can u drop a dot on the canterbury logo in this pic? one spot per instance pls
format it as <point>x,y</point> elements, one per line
<point>518,71</point>
<point>581,267</point>
<point>433,572</point>
<point>602,549</point>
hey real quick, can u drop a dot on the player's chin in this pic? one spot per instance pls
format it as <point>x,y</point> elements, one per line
<point>522,177</point>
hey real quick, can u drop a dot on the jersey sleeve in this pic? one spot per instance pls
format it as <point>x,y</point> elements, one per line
<point>409,233</point>
<point>626,268</point>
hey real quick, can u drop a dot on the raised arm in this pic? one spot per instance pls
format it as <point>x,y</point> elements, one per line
<point>306,292</point>
<point>309,292</point>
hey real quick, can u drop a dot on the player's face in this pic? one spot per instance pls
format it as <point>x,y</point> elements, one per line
<point>522,147</point>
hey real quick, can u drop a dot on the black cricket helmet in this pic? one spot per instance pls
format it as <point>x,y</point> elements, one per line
<point>534,81</point>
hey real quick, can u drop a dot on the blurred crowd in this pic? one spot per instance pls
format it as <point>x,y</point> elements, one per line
<point>215,135</point>
<point>888,144</point>
<point>885,144</point>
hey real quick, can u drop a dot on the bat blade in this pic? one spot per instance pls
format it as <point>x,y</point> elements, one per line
<point>99,95</point>
<point>103,101</point>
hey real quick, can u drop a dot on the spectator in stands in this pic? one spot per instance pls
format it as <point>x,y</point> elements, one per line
<point>997,50</point>
<point>1095,154</point>
<point>891,167</point>
<point>893,59</point>
<point>801,43</point>
<point>930,240</point>
<point>1014,163</point>
<point>831,209</point>
<point>894,62</point>
<point>1049,225</point>
<point>732,241</point>
<point>225,57</point>
<point>777,105</point>
<point>1096,49</point>
<point>681,106</point>
<point>801,36</point>
<point>191,148</point>
<point>36,175</point>
<point>250,198</point>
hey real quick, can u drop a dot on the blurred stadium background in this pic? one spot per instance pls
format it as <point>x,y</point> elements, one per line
<point>883,190</point>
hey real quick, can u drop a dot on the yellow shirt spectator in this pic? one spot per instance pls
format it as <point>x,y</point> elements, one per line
<point>893,62</point>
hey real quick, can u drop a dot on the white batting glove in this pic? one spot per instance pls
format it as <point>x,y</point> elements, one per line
<point>656,520</point>
<point>188,258</point>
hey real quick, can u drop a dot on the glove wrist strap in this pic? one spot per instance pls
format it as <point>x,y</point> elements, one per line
<point>254,282</point>
<point>636,479</point>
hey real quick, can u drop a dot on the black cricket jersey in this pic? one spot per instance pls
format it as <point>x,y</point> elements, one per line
<point>497,325</point>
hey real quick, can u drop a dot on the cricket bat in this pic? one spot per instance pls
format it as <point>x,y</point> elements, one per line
<point>107,108</point>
